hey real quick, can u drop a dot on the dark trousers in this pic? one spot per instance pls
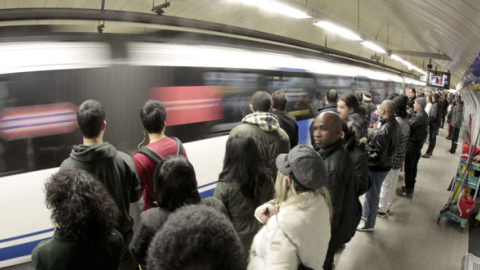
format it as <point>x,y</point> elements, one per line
<point>411,162</point>
<point>432,138</point>
<point>455,134</point>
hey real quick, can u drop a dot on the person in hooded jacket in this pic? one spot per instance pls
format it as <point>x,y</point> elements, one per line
<point>349,110</point>
<point>175,186</point>
<point>113,168</point>
<point>264,128</point>
<point>297,221</point>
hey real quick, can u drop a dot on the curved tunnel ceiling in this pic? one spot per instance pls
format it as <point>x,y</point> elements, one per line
<point>447,27</point>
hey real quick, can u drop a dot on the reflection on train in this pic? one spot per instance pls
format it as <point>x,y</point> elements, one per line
<point>206,90</point>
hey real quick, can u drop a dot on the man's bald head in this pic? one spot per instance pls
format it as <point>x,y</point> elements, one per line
<point>388,107</point>
<point>327,129</point>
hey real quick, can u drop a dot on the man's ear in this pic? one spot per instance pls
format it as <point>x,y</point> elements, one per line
<point>104,124</point>
<point>251,108</point>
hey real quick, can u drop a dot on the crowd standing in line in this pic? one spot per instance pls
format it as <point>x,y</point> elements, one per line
<point>314,212</point>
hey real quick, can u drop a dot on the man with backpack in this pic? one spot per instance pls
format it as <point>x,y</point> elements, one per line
<point>153,116</point>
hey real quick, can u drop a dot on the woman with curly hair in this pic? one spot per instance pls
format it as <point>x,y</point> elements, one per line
<point>243,185</point>
<point>175,184</point>
<point>85,216</point>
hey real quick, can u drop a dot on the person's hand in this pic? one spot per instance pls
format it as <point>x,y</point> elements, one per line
<point>267,212</point>
<point>476,158</point>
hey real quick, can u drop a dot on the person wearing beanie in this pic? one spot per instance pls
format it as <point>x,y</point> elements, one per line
<point>368,105</point>
<point>418,135</point>
<point>287,241</point>
<point>196,237</point>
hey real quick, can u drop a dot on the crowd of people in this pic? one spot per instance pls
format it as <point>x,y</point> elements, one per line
<point>277,205</point>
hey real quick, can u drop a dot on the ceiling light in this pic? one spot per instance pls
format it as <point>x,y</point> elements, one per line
<point>276,7</point>
<point>338,30</point>
<point>373,46</point>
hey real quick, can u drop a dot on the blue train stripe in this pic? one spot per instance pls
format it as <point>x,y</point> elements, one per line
<point>26,235</point>
<point>38,116</point>
<point>25,249</point>
<point>39,124</point>
<point>206,185</point>
<point>18,250</point>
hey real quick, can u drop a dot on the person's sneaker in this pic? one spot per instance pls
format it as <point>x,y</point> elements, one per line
<point>382,214</point>
<point>403,188</point>
<point>362,228</point>
<point>448,138</point>
<point>364,218</point>
<point>426,155</point>
<point>405,194</point>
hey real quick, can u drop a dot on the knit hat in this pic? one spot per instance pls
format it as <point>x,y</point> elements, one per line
<point>304,166</point>
<point>367,96</point>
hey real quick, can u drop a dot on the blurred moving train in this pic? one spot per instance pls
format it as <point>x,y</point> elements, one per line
<point>206,87</point>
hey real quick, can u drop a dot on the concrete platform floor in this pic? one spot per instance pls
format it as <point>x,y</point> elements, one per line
<point>410,237</point>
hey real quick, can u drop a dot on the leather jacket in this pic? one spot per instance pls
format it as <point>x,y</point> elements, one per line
<point>383,145</point>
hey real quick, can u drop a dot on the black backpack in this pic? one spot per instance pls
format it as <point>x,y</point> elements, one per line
<point>156,157</point>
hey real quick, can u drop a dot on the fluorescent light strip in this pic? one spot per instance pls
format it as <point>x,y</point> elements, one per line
<point>276,7</point>
<point>338,30</point>
<point>409,65</point>
<point>373,46</point>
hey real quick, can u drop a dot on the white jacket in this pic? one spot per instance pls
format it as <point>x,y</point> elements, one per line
<point>306,221</point>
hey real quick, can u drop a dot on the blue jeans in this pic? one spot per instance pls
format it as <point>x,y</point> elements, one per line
<point>372,198</point>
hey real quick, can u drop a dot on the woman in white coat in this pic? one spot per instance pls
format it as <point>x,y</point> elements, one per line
<point>297,221</point>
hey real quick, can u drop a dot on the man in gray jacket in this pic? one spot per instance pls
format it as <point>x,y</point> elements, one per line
<point>113,168</point>
<point>457,118</point>
<point>264,128</point>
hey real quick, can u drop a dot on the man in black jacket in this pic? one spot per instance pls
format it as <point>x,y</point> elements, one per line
<point>434,122</point>
<point>113,168</point>
<point>381,150</point>
<point>287,122</point>
<point>418,134</point>
<point>341,180</point>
